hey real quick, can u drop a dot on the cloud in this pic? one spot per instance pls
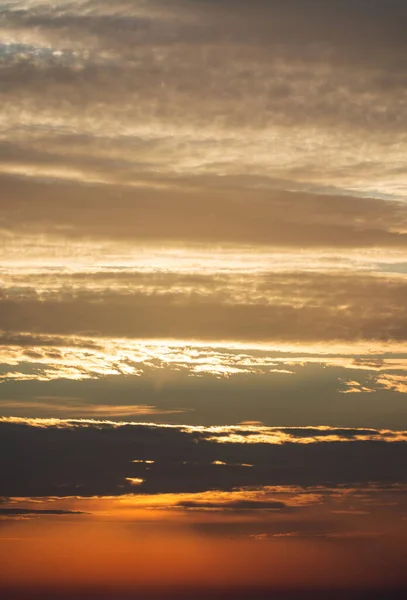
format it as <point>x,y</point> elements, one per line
<point>203,220</point>
<point>274,217</point>
<point>393,382</point>
<point>97,458</point>
<point>353,535</point>
<point>199,90</point>
<point>79,408</point>
<point>203,382</point>
<point>264,307</point>
<point>235,505</point>
<point>30,512</point>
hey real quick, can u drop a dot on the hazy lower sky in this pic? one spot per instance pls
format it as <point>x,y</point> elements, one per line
<point>203,326</point>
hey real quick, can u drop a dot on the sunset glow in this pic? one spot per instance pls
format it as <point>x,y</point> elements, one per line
<point>203,292</point>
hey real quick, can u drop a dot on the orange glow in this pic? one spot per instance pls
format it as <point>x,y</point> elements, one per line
<point>104,554</point>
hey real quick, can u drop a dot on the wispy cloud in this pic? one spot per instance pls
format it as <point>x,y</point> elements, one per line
<point>79,407</point>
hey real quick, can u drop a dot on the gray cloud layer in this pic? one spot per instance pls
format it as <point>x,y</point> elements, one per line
<point>98,458</point>
<point>263,307</point>
<point>235,216</point>
<point>293,96</point>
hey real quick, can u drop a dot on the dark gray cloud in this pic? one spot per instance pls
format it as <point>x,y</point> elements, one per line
<point>312,394</point>
<point>235,505</point>
<point>31,512</point>
<point>91,459</point>
<point>27,340</point>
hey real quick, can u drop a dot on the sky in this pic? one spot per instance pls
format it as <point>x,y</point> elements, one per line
<point>203,290</point>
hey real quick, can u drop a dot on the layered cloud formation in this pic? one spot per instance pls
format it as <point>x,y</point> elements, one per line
<point>203,228</point>
<point>189,171</point>
<point>191,122</point>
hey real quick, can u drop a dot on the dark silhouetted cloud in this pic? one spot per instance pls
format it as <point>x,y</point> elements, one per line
<point>98,458</point>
